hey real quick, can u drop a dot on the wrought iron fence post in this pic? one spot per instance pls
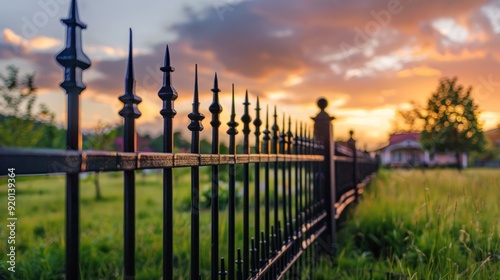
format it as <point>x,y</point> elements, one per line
<point>246,119</point>
<point>257,123</point>
<point>215,108</point>
<point>168,94</point>
<point>323,132</point>
<point>130,112</point>
<point>232,131</point>
<point>74,62</point>
<point>195,127</point>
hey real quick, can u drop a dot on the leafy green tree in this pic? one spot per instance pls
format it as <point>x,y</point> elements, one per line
<point>17,98</point>
<point>451,121</point>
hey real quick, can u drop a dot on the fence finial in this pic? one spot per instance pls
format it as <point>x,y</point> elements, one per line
<point>196,117</point>
<point>289,135</point>
<point>257,123</point>
<point>215,108</point>
<point>232,122</point>
<point>73,57</point>
<point>129,99</point>
<point>167,92</point>
<point>282,138</point>
<point>245,118</point>
<point>275,128</point>
<point>322,104</point>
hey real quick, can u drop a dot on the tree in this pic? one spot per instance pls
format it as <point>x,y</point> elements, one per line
<point>408,120</point>
<point>17,98</point>
<point>451,121</point>
<point>101,138</point>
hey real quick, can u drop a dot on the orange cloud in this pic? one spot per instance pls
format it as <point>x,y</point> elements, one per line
<point>419,71</point>
<point>38,43</point>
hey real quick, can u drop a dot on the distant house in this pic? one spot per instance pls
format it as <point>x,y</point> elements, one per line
<point>404,150</point>
<point>494,136</point>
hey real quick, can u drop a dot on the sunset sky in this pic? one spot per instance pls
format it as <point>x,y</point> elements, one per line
<point>368,58</point>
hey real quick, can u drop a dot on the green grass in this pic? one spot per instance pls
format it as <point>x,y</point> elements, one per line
<point>40,227</point>
<point>437,224</point>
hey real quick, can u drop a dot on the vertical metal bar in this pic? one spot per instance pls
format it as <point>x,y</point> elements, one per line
<point>282,141</point>
<point>239,272</point>
<point>295,151</point>
<point>274,249</point>
<point>232,131</point>
<point>253,257</point>
<point>303,237</point>
<point>289,137</point>
<point>297,188</point>
<point>274,150</point>
<point>215,108</point>
<point>281,241</point>
<point>306,193</point>
<point>195,127</point>
<point>245,118</point>
<point>263,249</point>
<point>308,178</point>
<point>265,150</point>
<point>223,271</point>
<point>130,112</point>
<point>257,123</point>
<point>168,94</point>
<point>74,61</point>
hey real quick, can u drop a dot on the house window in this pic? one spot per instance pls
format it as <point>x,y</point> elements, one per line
<point>397,156</point>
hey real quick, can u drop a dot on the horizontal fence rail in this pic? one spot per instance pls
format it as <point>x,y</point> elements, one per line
<point>55,161</point>
<point>302,180</point>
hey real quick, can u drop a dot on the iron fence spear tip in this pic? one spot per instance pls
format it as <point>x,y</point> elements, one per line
<point>167,57</point>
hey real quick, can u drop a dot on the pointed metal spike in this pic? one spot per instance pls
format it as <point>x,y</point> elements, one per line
<point>232,122</point>
<point>257,122</point>
<point>284,118</point>
<point>245,118</point>
<point>195,116</point>
<point>167,56</point>
<point>73,16</point>
<point>195,97</point>
<point>232,105</point>
<point>267,116</point>
<point>216,81</point>
<point>129,77</point>
<point>296,128</point>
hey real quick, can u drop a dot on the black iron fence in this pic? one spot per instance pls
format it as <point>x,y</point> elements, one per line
<point>306,179</point>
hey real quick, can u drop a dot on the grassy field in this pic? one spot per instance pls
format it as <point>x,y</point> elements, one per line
<point>40,226</point>
<point>437,224</point>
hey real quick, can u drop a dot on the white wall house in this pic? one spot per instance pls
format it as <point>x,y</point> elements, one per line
<point>404,150</point>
